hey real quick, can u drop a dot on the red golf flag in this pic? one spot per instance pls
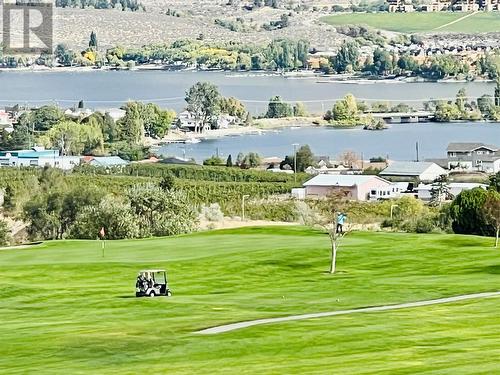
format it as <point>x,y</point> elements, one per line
<point>102,233</point>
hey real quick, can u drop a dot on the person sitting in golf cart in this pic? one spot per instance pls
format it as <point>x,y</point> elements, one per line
<point>152,283</point>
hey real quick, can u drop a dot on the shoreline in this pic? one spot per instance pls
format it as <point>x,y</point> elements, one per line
<point>260,126</point>
<point>323,78</point>
<point>265,125</point>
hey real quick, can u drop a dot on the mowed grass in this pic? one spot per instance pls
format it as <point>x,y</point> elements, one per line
<point>65,309</point>
<point>421,22</point>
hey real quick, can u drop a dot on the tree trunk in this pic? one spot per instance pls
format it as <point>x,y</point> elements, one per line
<point>334,256</point>
<point>496,237</point>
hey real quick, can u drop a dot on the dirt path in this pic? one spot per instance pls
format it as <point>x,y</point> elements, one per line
<point>457,20</point>
<point>251,323</point>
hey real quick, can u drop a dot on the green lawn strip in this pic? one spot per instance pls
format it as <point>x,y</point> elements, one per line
<point>480,22</point>
<point>64,307</point>
<point>420,22</point>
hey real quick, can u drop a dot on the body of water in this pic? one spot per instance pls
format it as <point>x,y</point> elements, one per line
<point>101,89</point>
<point>397,142</point>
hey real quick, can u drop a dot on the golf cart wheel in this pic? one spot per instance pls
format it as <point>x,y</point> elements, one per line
<point>152,294</point>
<point>169,293</point>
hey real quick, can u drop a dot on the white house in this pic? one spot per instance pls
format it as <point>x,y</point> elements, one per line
<point>37,157</point>
<point>424,190</point>
<point>473,156</point>
<point>412,170</point>
<point>355,187</point>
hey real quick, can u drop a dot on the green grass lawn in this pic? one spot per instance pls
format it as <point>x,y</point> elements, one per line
<point>65,309</point>
<point>420,22</point>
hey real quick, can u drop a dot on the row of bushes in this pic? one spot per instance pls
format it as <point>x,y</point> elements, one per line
<point>193,172</point>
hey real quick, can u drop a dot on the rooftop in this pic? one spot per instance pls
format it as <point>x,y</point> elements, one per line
<point>407,168</point>
<point>340,180</point>
<point>469,146</point>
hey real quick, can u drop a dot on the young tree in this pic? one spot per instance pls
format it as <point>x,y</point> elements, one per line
<point>440,190</point>
<point>167,182</point>
<point>495,182</point>
<point>4,233</point>
<point>497,92</point>
<point>345,111</point>
<point>229,161</point>
<point>335,214</point>
<point>305,158</point>
<point>466,212</point>
<point>346,58</point>
<point>161,212</point>
<point>233,107</point>
<point>348,158</point>
<point>277,108</point>
<point>299,110</point>
<point>491,211</point>
<point>203,101</point>
<point>93,41</point>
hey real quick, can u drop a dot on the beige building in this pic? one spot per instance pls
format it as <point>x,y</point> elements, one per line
<point>400,6</point>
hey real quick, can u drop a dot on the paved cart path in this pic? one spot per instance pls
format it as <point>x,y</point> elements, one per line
<point>251,323</point>
<point>458,20</point>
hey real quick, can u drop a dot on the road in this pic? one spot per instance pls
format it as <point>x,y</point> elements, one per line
<point>251,323</point>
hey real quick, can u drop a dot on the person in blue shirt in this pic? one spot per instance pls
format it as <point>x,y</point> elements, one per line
<point>341,217</point>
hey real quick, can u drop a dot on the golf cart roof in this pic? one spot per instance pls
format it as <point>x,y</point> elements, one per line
<point>149,271</point>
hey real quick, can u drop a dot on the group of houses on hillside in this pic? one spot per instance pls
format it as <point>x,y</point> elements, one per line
<point>399,178</point>
<point>406,6</point>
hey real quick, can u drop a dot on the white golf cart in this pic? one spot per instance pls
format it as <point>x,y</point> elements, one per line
<point>152,283</point>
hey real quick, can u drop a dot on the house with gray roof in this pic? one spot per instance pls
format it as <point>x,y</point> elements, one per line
<point>473,156</point>
<point>413,171</point>
<point>107,161</point>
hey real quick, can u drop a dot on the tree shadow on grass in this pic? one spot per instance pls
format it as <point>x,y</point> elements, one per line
<point>494,270</point>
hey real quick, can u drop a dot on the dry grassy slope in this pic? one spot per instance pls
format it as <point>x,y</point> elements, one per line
<point>73,26</point>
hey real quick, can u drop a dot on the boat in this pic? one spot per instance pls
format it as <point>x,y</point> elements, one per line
<point>192,140</point>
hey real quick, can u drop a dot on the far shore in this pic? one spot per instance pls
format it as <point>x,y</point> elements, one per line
<point>259,126</point>
<point>263,125</point>
<point>325,78</point>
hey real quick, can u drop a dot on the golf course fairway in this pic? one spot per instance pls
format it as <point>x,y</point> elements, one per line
<point>67,309</point>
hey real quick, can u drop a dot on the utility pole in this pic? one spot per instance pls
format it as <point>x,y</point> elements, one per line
<point>295,161</point>
<point>416,148</point>
<point>243,206</point>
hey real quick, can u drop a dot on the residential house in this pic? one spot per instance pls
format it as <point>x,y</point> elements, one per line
<point>6,122</point>
<point>394,190</point>
<point>37,157</point>
<point>115,113</point>
<point>424,190</point>
<point>436,6</point>
<point>400,6</point>
<point>78,113</point>
<point>473,156</point>
<point>187,121</point>
<point>355,187</point>
<point>466,5</point>
<point>413,170</point>
<point>106,161</point>
<point>177,160</point>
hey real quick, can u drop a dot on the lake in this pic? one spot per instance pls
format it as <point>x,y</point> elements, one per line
<point>101,89</point>
<point>113,88</point>
<point>397,142</point>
